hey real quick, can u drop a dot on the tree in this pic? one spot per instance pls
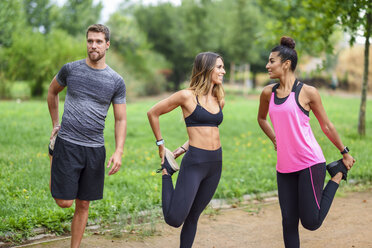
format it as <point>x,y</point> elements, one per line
<point>180,32</point>
<point>76,15</point>
<point>11,18</point>
<point>241,39</point>
<point>130,44</point>
<point>357,15</point>
<point>163,25</point>
<point>38,14</point>
<point>39,57</point>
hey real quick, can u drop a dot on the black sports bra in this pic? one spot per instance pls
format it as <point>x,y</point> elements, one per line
<point>202,117</point>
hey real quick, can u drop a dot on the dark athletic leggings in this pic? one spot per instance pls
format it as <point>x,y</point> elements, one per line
<point>301,197</point>
<point>199,174</point>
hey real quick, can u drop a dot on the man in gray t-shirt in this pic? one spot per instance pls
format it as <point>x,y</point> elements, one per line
<point>77,145</point>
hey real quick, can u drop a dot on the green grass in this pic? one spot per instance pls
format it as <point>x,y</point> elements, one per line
<point>248,160</point>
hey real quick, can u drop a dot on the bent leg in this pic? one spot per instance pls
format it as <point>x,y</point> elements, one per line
<point>64,203</point>
<point>177,202</point>
<point>79,222</point>
<point>288,200</point>
<point>315,202</point>
<point>206,190</point>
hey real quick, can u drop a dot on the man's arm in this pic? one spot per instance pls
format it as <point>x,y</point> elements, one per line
<point>120,115</point>
<point>53,101</point>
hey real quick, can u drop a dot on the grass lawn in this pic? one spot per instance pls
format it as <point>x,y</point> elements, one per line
<point>248,160</point>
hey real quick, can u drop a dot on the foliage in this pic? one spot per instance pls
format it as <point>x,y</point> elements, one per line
<point>245,27</point>
<point>180,32</point>
<point>163,26</point>
<point>38,37</point>
<point>143,64</point>
<point>39,57</point>
<point>38,14</point>
<point>296,18</point>
<point>75,16</point>
<point>11,19</point>
<point>248,161</point>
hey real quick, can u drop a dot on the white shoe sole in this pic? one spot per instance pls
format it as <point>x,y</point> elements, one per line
<point>172,162</point>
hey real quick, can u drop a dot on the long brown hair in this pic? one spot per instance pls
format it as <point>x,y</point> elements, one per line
<point>200,82</point>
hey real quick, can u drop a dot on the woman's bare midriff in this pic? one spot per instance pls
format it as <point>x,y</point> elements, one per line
<point>207,138</point>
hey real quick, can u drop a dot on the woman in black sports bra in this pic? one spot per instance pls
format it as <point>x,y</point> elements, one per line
<point>200,172</point>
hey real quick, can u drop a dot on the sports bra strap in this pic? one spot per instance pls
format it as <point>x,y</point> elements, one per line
<point>294,86</point>
<point>197,100</point>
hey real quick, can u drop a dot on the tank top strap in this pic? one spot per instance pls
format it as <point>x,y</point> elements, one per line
<point>297,93</point>
<point>275,87</point>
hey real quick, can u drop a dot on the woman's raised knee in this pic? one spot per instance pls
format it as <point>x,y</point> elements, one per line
<point>311,225</point>
<point>173,221</point>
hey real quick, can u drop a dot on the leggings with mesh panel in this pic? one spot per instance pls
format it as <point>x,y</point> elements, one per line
<point>301,197</point>
<point>197,181</point>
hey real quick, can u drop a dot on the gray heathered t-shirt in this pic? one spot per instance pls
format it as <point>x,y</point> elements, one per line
<point>89,95</point>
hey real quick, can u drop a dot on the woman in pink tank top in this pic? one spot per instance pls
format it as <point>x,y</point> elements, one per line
<point>300,164</point>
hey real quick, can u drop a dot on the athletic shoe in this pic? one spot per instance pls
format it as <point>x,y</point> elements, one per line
<point>336,167</point>
<point>169,164</point>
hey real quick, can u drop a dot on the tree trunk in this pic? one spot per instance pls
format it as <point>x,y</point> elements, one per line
<point>254,80</point>
<point>247,80</point>
<point>232,73</point>
<point>37,88</point>
<point>363,102</point>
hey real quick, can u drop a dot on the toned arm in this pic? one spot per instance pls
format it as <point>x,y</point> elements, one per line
<point>326,125</point>
<point>120,115</point>
<point>177,99</point>
<point>53,103</point>
<point>262,114</point>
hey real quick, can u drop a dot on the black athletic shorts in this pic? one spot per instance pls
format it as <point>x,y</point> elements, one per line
<point>78,172</point>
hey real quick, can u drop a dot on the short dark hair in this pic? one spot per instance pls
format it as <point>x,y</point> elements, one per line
<point>287,51</point>
<point>99,28</point>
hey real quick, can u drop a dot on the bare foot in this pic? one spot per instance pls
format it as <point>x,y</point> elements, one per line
<point>337,178</point>
<point>164,172</point>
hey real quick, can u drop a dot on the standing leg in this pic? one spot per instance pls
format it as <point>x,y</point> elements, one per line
<point>79,222</point>
<point>50,178</point>
<point>206,190</point>
<point>288,200</point>
<point>315,202</point>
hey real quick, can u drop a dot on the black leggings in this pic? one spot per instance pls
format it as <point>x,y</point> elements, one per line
<point>301,197</point>
<point>199,175</point>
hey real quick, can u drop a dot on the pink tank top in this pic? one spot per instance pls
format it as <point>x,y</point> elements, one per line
<point>297,148</point>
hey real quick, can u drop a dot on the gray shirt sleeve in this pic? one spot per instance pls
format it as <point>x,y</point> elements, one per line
<point>62,75</point>
<point>119,96</point>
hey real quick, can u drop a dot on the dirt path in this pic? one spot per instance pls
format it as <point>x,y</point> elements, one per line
<point>348,224</point>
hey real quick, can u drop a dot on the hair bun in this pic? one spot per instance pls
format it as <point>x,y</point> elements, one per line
<point>287,42</point>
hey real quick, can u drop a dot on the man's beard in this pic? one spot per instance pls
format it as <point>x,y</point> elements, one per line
<point>96,58</point>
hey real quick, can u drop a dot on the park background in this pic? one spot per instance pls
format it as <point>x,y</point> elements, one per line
<point>153,45</point>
